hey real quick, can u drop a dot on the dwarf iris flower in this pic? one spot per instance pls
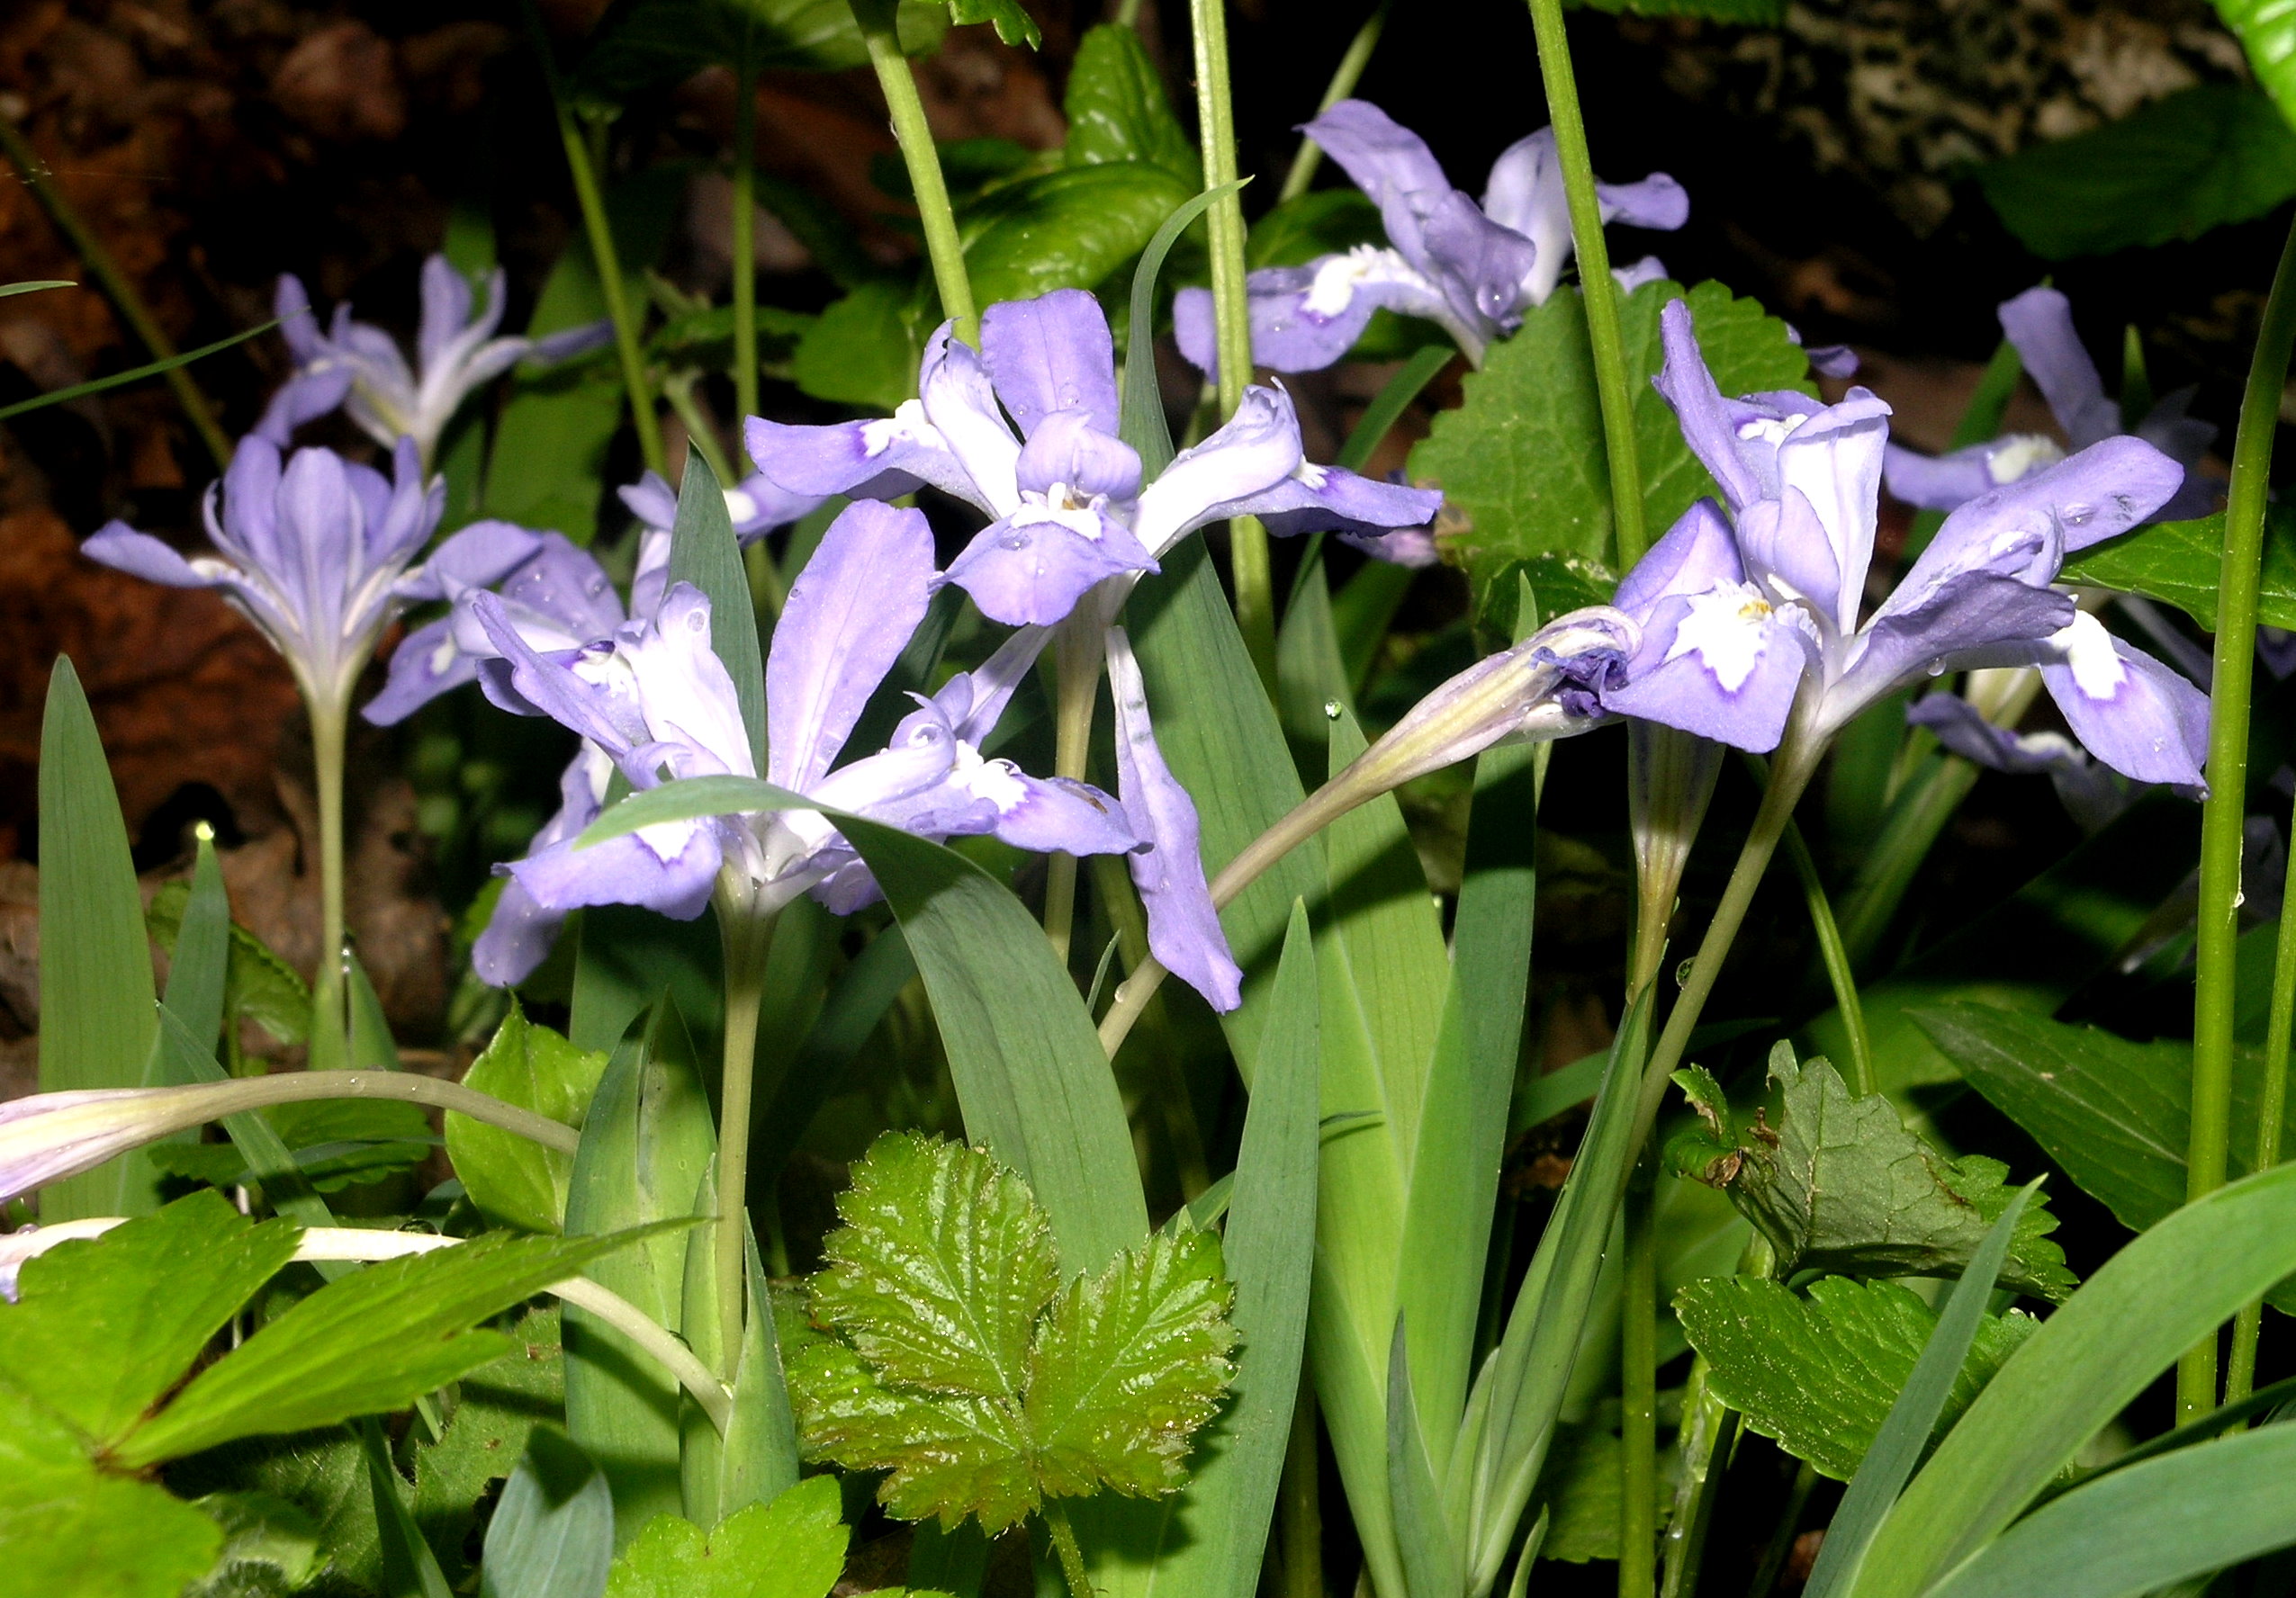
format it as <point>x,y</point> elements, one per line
<point>1472,269</point>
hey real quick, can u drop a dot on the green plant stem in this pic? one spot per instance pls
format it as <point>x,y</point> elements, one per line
<point>329,1011</point>
<point>747,939</point>
<point>1231,318</point>
<point>744,247</point>
<point>2224,814</point>
<point>1072,1557</point>
<point>922,159</point>
<point>1709,1431</point>
<point>1076,655</point>
<point>1638,1390</point>
<point>2272,1112</point>
<point>1612,386</point>
<point>1299,1506</point>
<point>117,288</point>
<point>1830,950</point>
<point>701,429</point>
<point>1344,79</point>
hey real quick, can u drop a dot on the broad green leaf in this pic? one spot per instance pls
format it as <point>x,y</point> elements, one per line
<point>1117,111</point>
<point>2148,1528</point>
<point>688,799</point>
<point>199,953</point>
<point>1839,1184</point>
<point>64,1529</point>
<point>862,349</point>
<point>2172,168</point>
<point>646,1143</point>
<point>258,986</point>
<point>1818,1374</point>
<point>2143,1307</point>
<point>269,1547</point>
<point>1128,1365</point>
<point>1319,223</point>
<point>496,1409</point>
<point>321,1474</point>
<point>646,44</point>
<point>1030,1073</point>
<point>2177,562</point>
<point>793,1548</point>
<point>1522,459</point>
<point>703,551</point>
<point>2268,33</point>
<point>1582,1490</point>
<point>95,978</point>
<point>514,1179</point>
<point>758,1461</point>
<point>940,1270</point>
<point>149,1294</point>
<point>1013,23</point>
<point>629,957</point>
<point>369,1343</point>
<point>553,1531</point>
<point>1065,229</point>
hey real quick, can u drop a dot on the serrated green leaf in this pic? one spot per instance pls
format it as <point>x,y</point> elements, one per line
<point>270,1546</point>
<point>1839,1184</point>
<point>1522,458</point>
<point>1013,24</point>
<point>940,1270</point>
<point>1319,223</point>
<point>1128,1364</point>
<point>322,1474</point>
<point>1065,229</point>
<point>1819,1374</point>
<point>792,1548</point>
<point>149,1294</point>
<point>2177,562</point>
<point>862,349</point>
<point>496,1409</point>
<point>512,1180</point>
<point>1117,111</point>
<point>371,1342</point>
<point>2172,168</point>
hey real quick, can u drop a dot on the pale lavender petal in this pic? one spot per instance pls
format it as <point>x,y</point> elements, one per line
<point>1401,546</point>
<point>1303,319</point>
<point>1833,360</point>
<point>517,938</point>
<point>1331,498</point>
<point>2039,323</point>
<point>1785,545</point>
<point>1942,624</point>
<point>139,554</point>
<point>243,511</point>
<point>882,459</point>
<point>915,761</point>
<point>1044,814</point>
<point>1650,269</point>
<point>974,702</point>
<point>411,511</point>
<point>1657,203</point>
<point>290,304</point>
<point>1183,928</point>
<point>318,515</point>
<point>521,679</point>
<point>566,344</point>
<point>671,868</point>
<point>1961,729</point>
<point>2132,713</point>
<point>848,615</point>
<point>1257,448</point>
<point>1051,353</point>
<point>447,308</point>
<point>1484,269</point>
<point>1070,452</point>
<point>482,554</point>
<point>959,401</point>
<point>1697,552</point>
<point>652,575</point>
<point>1719,664</point>
<point>692,708</point>
<point>1708,426</point>
<point>1388,162</point>
<point>1031,568</point>
<point>566,585</point>
<point>303,398</point>
<point>1833,457</point>
<point>425,665</point>
<point>1938,482</point>
<point>654,502</point>
<point>1524,189</point>
<point>758,505</point>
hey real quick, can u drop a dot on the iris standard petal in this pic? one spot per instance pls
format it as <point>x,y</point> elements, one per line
<point>1697,552</point>
<point>1650,269</point>
<point>758,505</point>
<point>684,690</point>
<point>1786,546</point>
<point>1707,425</point>
<point>1257,449</point>
<point>848,617</point>
<point>1832,457</point>
<point>1722,664</point>
<point>2039,323</point>
<point>1388,162</point>
<point>1183,928</point>
<point>447,307</point>
<point>1051,353</point>
<point>1031,568</point>
<point>2136,715</point>
<point>973,701</point>
<point>1072,454</point>
<point>959,401</point>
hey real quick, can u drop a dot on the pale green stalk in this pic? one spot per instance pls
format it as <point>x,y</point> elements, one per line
<point>1231,318</point>
<point>1298,1507</point>
<point>1638,1391</point>
<point>2223,816</point>
<point>1344,79</point>
<point>117,288</point>
<point>1076,656</point>
<point>1072,1557</point>
<point>2271,1114</point>
<point>329,1011</point>
<point>1612,385</point>
<point>922,159</point>
<point>747,941</point>
<point>744,247</point>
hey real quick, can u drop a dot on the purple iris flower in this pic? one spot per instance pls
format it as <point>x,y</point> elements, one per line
<point>316,553</point>
<point>2092,793</point>
<point>2039,323</point>
<point>359,366</point>
<point>1472,269</point>
<point>658,702</point>
<point>1065,494</point>
<point>1747,616</point>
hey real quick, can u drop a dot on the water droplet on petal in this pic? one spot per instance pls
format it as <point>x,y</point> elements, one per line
<point>1937,667</point>
<point>2079,516</point>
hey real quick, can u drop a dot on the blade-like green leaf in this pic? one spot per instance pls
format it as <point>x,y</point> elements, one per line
<point>793,1548</point>
<point>1128,1364</point>
<point>258,986</point>
<point>688,799</point>
<point>2146,1306</point>
<point>369,1343</point>
<point>703,553</point>
<point>514,1179</point>
<point>134,374</point>
<point>1117,111</point>
<point>199,956</point>
<point>553,1532</point>
<point>940,1270</point>
<point>2145,1529</point>
<point>1067,228</point>
<point>1913,1418</point>
<point>95,979</point>
<point>150,1295</point>
<point>1432,1558</point>
<point>410,1568</point>
<point>759,1458</point>
<point>2175,561</point>
<point>1819,1374</point>
<point>35,285</point>
<point>1143,425</point>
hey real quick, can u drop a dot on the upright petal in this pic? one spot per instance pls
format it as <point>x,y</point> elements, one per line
<point>1071,455</point>
<point>1255,449</point>
<point>1031,568</point>
<point>2039,323</point>
<point>1650,269</point>
<point>686,694</point>
<point>1697,552</point>
<point>1707,425</point>
<point>2134,713</point>
<point>1051,353</point>
<point>959,401</point>
<point>1387,161</point>
<point>447,308</point>
<point>1833,459</point>
<point>290,304</point>
<point>319,535</point>
<point>1947,481</point>
<point>849,617</point>
<point>569,342</point>
<point>1184,927</point>
<point>1488,272</point>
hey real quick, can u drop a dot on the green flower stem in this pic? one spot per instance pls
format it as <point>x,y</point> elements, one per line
<point>747,939</point>
<point>1299,1508</point>
<point>1600,290</point>
<point>1231,318</point>
<point>117,288</point>
<point>922,159</point>
<point>1837,960</point>
<point>1638,1390</point>
<point>1076,651</point>
<point>1344,79</point>
<point>1072,1557</point>
<point>701,429</point>
<point>330,1010</point>
<point>2272,1110</point>
<point>2223,816</point>
<point>744,247</point>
